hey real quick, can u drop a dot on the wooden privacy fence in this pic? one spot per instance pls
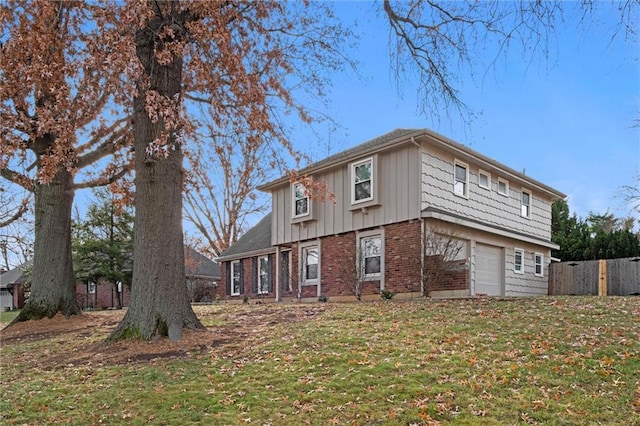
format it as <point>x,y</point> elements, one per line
<point>612,277</point>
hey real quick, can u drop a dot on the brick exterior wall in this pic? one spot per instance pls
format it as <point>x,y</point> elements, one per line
<point>338,262</point>
<point>402,246</point>
<point>446,275</point>
<point>103,298</point>
<point>403,250</point>
<point>248,276</point>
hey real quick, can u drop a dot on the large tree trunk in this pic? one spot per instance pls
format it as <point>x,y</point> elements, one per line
<point>159,298</point>
<point>52,284</point>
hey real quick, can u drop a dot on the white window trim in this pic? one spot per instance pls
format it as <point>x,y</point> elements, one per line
<point>234,265</point>
<point>526,191</point>
<point>455,180</point>
<point>372,277</point>
<point>535,264</point>
<point>353,180</point>
<point>293,202</point>
<point>92,287</point>
<point>506,182</point>
<point>515,265</point>
<point>488,175</point>
<point>302,264</point>
<point>260,283</point>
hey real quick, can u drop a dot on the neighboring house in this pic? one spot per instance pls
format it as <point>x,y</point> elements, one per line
<point>203,276</point>
<point>102,295</point>
<point>202,281</point>
<point>397,198</point>
<point>12,294</point>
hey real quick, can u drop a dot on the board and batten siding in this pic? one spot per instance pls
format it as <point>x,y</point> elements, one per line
<point>398,177</point>
<point>482,205</point>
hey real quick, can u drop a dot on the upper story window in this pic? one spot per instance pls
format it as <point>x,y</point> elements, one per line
<point>539,259</point>
<point>91,287</point>
<point>484,179</point>
<point>525,207</point>
<point>300,201</point>
<point>518,259</point>
<point>370,254</point>
<point>461,179</point>
<point>311,260</point>
<point>362,181</point>
<point>503,187</point>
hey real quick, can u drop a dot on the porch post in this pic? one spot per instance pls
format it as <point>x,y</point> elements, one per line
<point>277,273</point>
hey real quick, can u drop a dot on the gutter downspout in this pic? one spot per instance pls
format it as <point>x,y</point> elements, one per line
<point>422,244</point>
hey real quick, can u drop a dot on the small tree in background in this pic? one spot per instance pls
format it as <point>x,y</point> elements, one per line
<point>600,236</point>
<point>103,243</point>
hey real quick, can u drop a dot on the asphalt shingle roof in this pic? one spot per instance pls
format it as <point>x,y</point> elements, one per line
<point>255,239</point>
<point>14,276</point>
<point>197,264</point>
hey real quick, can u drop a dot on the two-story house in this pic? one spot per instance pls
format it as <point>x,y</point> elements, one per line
<point>405,205</point>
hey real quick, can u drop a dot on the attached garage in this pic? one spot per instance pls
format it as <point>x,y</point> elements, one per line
<point>489,267</point>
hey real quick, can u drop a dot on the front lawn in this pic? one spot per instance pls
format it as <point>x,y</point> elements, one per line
<point>561,360</point>
<point>7,317</point>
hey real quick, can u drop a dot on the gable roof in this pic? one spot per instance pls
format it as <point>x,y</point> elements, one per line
<point>404,136</point>
<point>198,265</point>
<point>381,142</point>
<point>255,241</point>
<point>14,276</point>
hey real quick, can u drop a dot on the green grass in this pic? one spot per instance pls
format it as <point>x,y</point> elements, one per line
<point>497,361</point>
<point>7,317</point>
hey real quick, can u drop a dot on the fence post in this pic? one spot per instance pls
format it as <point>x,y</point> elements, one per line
<point>602,280</point>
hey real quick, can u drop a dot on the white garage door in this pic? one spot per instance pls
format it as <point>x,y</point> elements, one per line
<point>488,270</point>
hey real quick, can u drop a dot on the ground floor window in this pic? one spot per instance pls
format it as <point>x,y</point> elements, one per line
<point>285,271</point>
<point>370,256</point>
<point>236,278</point>
<point>518,259</point>
<point>264,275</point>
<point>311,260</point>
<point>539,258</point>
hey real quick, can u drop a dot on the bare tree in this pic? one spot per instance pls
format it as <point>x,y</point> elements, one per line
<point>444,42</point>
<point>220,190</point>
<point>630,195</point>
<point>361,265</point>
<point>15,225</point>
<point>245,61</point>
<point>351,273</point>
<point>441,257</point>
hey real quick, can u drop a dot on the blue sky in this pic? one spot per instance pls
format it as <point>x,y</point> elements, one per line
<point>566,119</point>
